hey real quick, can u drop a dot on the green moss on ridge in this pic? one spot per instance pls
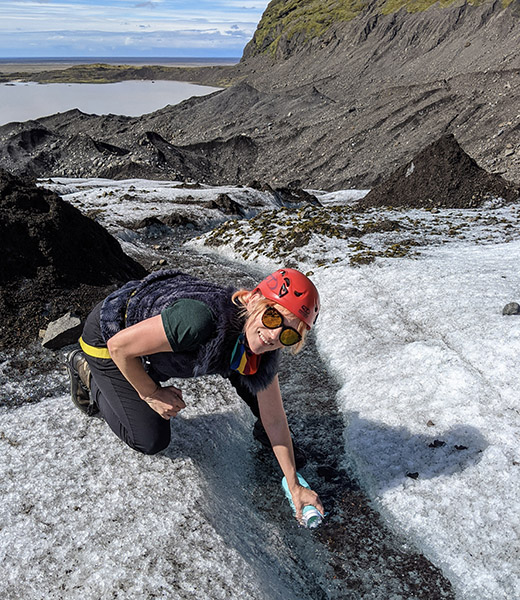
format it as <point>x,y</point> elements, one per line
<point>309,19</point>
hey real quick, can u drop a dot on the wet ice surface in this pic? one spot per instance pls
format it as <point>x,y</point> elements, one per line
<point>83,516</point>
<point>427,384</point>
<point>432,389</point>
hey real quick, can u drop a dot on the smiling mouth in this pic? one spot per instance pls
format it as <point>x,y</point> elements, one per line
<point>264,339</point>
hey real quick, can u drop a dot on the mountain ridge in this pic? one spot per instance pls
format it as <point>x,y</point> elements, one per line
<point>341,110</point>
<point>304,20</point>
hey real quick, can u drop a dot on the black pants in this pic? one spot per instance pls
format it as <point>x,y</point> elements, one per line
<point>129,417</point>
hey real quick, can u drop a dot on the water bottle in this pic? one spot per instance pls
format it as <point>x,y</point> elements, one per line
<point>311,516</point>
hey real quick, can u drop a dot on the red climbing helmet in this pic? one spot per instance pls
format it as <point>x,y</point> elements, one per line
<point>294,291</point>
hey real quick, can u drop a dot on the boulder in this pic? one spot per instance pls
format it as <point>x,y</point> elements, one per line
<point>513,308</point>
<point>62,332</point>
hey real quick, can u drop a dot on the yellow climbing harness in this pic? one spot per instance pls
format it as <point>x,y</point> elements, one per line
<point>94,350</point>
<point>102,352</point>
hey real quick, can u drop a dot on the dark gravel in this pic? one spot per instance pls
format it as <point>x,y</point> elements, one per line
<point>441,176</point>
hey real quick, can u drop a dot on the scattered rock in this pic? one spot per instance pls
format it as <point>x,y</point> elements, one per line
<point>294,196</point>
<point>413,475</point>
<point>225,204</point>
<point>178,220</point>
<point>145,223</point>
<point>513,308</point>
<point>437,444</point>
<point>291,196</point>
<point>62,332</point>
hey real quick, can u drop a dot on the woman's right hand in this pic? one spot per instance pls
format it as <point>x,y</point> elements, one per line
<point>301,497</point>
<point>166,401</point>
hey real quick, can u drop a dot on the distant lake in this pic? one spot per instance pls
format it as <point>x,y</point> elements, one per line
<point>24,101</point>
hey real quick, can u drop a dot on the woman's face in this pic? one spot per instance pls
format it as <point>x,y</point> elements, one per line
<point>259,338</point>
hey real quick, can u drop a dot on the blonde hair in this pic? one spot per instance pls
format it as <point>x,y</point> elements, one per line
<point>240,298</point>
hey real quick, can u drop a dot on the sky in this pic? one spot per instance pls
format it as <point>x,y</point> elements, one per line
<point>127,28</point>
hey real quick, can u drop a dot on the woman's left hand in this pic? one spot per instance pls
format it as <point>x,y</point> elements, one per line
<point>301,497</point>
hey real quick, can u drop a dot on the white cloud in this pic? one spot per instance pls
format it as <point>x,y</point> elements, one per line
<point>188,42</point>
<point>91,16</point>
<point>147,25</point>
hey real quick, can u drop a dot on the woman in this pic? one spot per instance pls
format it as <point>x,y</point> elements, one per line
<point>171,324</point>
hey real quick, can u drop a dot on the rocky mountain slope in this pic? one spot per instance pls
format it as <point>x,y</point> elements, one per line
<point>441,175</point>
<point>328,95</point>
<point>54,259</point>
